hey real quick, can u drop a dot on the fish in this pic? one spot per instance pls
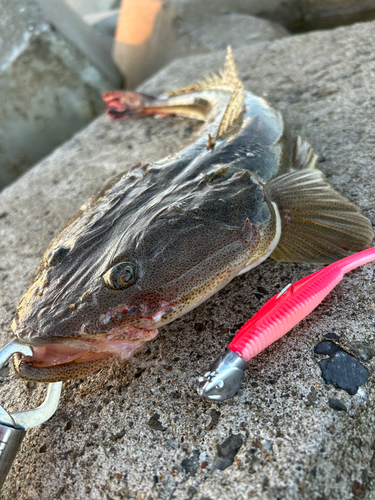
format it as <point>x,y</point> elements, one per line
<point>163,237</point>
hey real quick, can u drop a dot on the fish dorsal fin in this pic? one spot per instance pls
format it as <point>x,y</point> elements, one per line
<point>229,74</point>
<point>232,111</point>
<point>226,79</point>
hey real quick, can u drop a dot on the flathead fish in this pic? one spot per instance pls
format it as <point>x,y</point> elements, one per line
<point>161,238</point>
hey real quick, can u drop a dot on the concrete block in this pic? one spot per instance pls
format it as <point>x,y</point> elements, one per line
<point>293,14</point>
<point>84,7</point>
<point>48,88</point>
<point>236,30</point>
<point>86,40</point>
<point>103,440</point>
<point>104,22</point>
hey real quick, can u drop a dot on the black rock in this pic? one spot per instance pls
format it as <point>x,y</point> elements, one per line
<point>327,347</point>
<point>191,464</point>
<point>337,404</point>
<point>227,450</point>
<point>332,336</point>
<point>344,371</point>
<point>155,424</point>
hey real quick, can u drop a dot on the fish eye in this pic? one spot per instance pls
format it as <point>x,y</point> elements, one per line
<point>120,276</point>
<point>56,256</point>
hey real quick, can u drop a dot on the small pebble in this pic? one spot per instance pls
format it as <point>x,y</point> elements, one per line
<point>344,371</point>
<point>332,336</point>
<point>155,424</point>
<point>326,347</point>
<point>227,450</point>
<point>191,463</point>
<point>337,404</point>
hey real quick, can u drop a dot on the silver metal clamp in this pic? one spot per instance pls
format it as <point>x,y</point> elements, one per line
<point>13,426</point>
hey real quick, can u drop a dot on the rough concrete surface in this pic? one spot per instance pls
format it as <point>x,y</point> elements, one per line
<point>140,431</point>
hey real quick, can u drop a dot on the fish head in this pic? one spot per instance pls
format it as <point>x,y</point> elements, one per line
<point>134,259</point>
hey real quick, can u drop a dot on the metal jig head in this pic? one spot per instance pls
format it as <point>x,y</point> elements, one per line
<point>223,378</point>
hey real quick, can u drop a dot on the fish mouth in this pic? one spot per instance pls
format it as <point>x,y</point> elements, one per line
<point>69,358</point>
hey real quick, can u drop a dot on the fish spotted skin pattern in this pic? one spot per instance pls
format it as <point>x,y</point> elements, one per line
<point>160,239</point>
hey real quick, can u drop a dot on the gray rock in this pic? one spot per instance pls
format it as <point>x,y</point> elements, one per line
<point>155,424</point>
<point>337,404</point>
<point>323,83</point>
<point>94,6</point>
<point>227,450</point>
<point>332,335</point>
<point>82,37</point>
<point>48,89</point>
<point>215,417</point>
<point>312,396</point>
<point>104,23</point>
<point>191,464</point>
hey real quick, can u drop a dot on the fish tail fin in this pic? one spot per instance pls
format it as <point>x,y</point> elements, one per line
<point>319,225</point>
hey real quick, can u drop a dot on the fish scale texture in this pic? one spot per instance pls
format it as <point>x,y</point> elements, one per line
<point>125,431</point>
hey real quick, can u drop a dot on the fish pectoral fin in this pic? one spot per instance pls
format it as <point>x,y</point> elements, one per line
<point>319,225</point>
<point>304,155</point>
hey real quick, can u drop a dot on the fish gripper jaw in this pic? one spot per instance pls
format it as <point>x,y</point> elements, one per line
<point>223,378</point>
<point>13,426</point>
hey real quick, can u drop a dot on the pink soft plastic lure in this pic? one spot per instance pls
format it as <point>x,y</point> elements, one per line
<point>278,315</point>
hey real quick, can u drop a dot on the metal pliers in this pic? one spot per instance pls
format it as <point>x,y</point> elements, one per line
<point>13,427</point>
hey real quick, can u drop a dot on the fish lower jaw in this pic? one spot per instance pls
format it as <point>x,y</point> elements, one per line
<point>77,358</point>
